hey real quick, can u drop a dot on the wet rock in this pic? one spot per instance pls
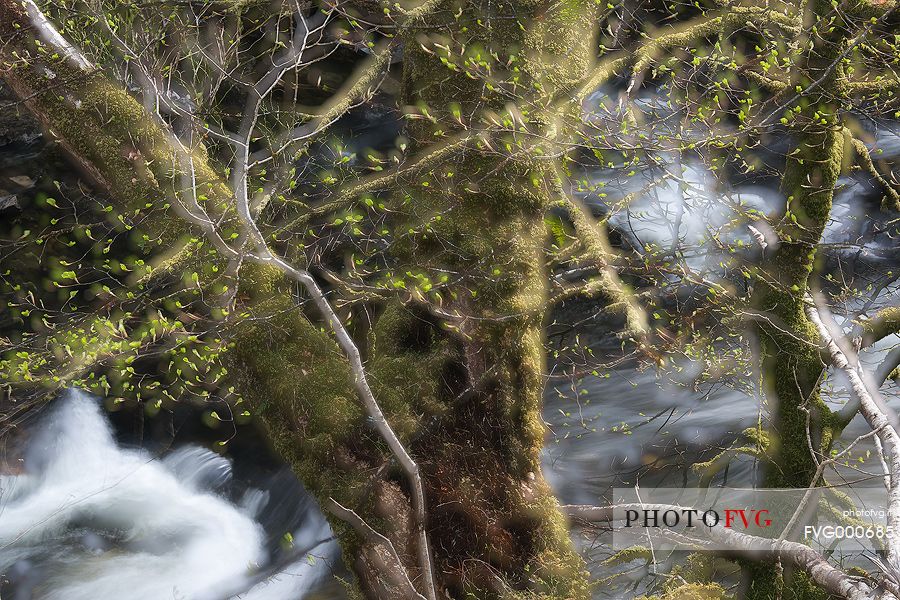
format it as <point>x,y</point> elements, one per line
<point>16,125</point>
<point>8,201</point>
<point>23,181</point>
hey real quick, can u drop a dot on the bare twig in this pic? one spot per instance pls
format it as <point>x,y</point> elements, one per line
<point>376,539</point>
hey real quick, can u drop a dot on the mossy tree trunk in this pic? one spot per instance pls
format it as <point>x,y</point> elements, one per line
<point>790,348</point>
<point>459,368</point>
<point>460,377</point>
<point>460,371</point>
<point>791,360</point>
<point>791,365</point>
<point>478,218</point>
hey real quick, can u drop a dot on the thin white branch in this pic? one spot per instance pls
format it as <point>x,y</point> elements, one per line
<point>264,255</point>
<point>373,537</point>
<point>51,36</point>
<point>878,415</point>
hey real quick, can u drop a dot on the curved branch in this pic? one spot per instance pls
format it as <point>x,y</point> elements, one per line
<point>877,414</point>
<point>598,250</point>
<point>263,255</point>
<point>345,197</point>
<point>885,322</point>
<point>361,85</point>
<point>892,196</point>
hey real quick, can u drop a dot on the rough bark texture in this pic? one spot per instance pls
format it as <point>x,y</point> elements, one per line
<point>287,369</point>
<point>496,527</point>
<point>789,347</point>
<point>463,393</point>
<point>789,343</point>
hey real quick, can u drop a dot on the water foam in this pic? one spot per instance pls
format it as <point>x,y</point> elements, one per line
<point>89,519</point>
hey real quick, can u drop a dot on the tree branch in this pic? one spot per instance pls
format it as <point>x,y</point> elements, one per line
<point>892,196</point>
<point>600,253</point>
<point>376,539</point>
<point>877,414</point>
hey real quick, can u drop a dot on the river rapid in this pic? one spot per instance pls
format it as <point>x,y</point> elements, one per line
<point>87,518</point>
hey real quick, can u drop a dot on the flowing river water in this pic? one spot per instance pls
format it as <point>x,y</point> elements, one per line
<point>88,518</point>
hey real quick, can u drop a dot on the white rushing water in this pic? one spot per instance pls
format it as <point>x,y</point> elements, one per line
<point>90,520</point>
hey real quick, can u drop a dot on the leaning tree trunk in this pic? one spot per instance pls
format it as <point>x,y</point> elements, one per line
<point>478,219</point>
<point>791,366</point>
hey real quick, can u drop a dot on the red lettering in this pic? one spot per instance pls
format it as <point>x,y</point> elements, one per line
<point>730,513</point>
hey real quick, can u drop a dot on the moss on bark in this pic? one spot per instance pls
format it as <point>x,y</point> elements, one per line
<point>117,145</point>
<point>479,216</point>
<point>791,366</point>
